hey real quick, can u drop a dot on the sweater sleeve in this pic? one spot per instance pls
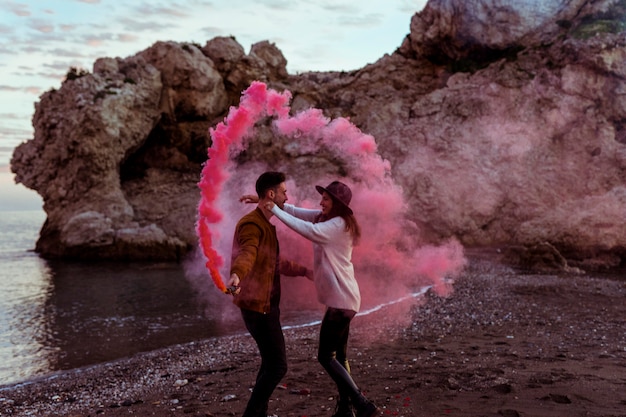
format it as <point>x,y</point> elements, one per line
<point>302,213</point>
<point>316,232</point>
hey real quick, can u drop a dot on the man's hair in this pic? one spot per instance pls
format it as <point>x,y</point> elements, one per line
<point>267,181</point>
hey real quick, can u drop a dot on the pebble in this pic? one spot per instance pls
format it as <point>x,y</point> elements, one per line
<point>181,382</point>
<point>302,391</point>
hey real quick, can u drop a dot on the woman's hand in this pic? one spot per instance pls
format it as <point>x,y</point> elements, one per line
<point>249,199</point>
<point>269,205</point>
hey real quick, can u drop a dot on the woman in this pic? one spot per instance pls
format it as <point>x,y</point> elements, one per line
<point>333,231</point>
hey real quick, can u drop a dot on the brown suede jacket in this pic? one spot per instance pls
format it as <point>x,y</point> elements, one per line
<point>253,259</point>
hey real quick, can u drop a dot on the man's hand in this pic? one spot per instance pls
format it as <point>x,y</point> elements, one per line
<point>249,199</point>
<point>233,284</point>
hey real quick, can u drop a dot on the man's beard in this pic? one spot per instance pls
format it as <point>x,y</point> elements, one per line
<point>280,205</point>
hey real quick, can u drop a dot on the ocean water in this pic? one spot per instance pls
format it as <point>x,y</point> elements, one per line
<point>57,315</point>
<point>23,285</point>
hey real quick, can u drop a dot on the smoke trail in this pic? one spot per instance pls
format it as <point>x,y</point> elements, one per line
<point>391,260</point>
<point>227,137</point>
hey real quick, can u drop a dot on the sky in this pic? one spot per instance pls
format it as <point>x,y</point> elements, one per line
<point>42,39</point>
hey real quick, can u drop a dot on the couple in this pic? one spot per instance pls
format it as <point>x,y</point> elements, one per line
<point>255,273</point>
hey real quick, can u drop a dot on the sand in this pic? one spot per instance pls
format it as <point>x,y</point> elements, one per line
<point>504,343</point>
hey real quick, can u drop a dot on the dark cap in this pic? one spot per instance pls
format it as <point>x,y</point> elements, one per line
<point>340,193</point>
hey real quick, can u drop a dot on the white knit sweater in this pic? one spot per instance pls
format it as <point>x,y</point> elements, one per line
<point>332,256</point>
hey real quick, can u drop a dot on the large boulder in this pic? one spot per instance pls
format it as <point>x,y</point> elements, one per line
<point>454,31</point>
<point>117,152</point>
<point>524,148</point>
<point>504,123</point>
<point>83,133</point>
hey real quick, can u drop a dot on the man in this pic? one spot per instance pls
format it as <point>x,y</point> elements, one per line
<point>255,273</point>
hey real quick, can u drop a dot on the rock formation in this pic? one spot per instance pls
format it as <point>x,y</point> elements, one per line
<point>504,122</point>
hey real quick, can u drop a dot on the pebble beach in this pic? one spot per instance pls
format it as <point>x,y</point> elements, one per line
<point>503,343</point>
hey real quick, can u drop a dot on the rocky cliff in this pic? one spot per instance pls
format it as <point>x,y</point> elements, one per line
<point>504,123</point>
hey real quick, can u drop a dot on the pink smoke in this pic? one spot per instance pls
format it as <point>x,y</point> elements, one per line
<point>227,137</point>
<point>391,260</point>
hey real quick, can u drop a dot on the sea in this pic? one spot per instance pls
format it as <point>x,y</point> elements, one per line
<point>60,315</point>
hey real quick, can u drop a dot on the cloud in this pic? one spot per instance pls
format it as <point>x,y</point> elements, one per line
<point>13,136</point>
<point>410,6</point>
<point>12,116</point>
<point>94,42</point>
<point>341,8</point>
<point>67,28</point>
<point>132,25</point>
<point>7,149</point>
<point>54,75</point>
<point>32,49</point>
<point>176,10</point>
<point>212,31</point>
<point>24,89</point>
<point>94,39</point>
<point>33,90</point>
<point>6,29</point>
<point>127,37</point>
<point>41,26</point>
<point>371,19</point>
<point>36,38</point>
<point>9,88</point>
<point>89,1</point>
<point>62,65</point>
<point>54,71</point>
<point>280,4</point>
<point>7,51</point>
<point>18,9</point>
<point>66,53</point>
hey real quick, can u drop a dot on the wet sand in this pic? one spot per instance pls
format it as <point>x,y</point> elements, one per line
<point>503,343</point>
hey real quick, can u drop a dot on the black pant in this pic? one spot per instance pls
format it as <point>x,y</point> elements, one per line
<point>332,353</point>
<point>268,335</point>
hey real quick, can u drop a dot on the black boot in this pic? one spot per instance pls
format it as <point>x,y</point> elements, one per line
<point>367,409</point>
<point>345,383</point>
<point>343,408</point>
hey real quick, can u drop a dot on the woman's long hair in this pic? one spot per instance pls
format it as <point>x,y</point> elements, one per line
<point>352,226</point>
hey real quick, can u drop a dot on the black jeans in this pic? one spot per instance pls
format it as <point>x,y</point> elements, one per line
<point>268,335</point>
<point>332,353</point>
<point>334,334</point>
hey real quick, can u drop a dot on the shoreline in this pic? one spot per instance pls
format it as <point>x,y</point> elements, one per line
<point>243,334</point>
<point>503,343</point>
